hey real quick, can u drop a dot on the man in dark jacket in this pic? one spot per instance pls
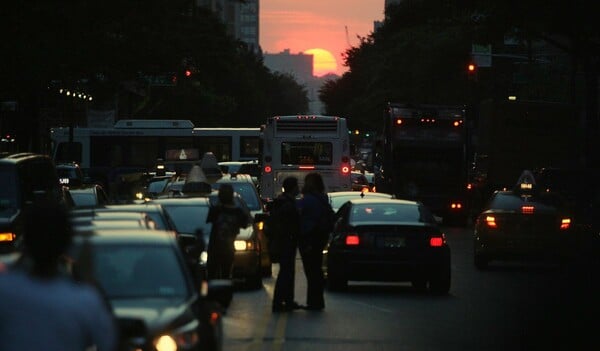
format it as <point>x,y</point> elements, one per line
<point>285,222</point>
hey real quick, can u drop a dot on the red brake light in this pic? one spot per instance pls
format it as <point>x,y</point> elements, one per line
<point>456,206</point>
<point>527,209</point>
<point>436,241</point>
<point>352,239</point>
<point>565,223</point>
<point>268,169</point>
<point>306,167</point>
<point>345,169</point>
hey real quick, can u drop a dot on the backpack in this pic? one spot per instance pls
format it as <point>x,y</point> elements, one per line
<point>227,226</point>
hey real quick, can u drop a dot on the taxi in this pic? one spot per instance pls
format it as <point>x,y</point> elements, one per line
<point>524,223</point>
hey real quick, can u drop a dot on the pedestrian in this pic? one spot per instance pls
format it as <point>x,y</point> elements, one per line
<point>41,306</point>
<point>227,219</point>
<point>284,223</point>
<point>316,222</point>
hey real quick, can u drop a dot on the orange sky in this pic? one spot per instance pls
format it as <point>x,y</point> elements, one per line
<point>300,25</point>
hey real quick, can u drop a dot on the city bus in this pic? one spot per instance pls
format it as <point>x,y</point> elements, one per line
<point>139,143</point>
<point>298,145</point>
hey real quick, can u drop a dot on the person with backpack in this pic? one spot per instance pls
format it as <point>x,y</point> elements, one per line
<point>227,219</point>
<point>284,223</point>
<point>316,223</point>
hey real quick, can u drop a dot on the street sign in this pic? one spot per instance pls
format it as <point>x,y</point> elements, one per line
<point>482,55</point>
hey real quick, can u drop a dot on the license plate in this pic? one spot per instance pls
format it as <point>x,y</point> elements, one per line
<point>393,242</point>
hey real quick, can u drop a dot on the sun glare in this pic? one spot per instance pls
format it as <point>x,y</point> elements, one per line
<point>323,61</point>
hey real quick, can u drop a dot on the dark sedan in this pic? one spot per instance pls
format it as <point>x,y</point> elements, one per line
<point>387,240</point>
<point>153,295</point>
<point>524,224</point>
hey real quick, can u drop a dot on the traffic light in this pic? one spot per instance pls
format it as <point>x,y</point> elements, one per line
<point>188,73</point>
<point>472,71</point>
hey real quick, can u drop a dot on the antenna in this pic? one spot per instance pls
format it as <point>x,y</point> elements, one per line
<point>347,37</point>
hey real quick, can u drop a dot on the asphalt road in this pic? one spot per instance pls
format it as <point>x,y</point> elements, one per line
<point>510,306</point>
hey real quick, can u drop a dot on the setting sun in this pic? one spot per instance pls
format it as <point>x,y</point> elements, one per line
<point>323,61</point>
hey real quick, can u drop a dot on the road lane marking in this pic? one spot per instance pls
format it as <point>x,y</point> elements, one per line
<point>386,310</point>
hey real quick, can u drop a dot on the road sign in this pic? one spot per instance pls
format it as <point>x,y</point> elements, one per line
<point>482,55</point>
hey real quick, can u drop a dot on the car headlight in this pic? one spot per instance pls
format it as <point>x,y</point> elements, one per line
<point>184,338</point>
<point>243,245</point>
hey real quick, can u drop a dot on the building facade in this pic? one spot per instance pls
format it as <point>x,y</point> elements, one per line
<point>241,18</point>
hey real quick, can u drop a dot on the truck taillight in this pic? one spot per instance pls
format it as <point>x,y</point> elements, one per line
<point>456,205</point>
<point>491,221</point>
<point>565,223</point>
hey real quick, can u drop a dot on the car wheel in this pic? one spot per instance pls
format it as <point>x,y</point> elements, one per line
<point>481,262</point>
<point>439,282</point>
<point>267,271</point>
<point>254,281</point>
<point>419,284</point>
<point>336,282</point>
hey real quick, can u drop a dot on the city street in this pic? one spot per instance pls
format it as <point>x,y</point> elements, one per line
<point>510,306</point>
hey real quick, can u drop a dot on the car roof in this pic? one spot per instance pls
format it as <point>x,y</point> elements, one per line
<point>383,201</point>
<point>357,194</point>
<point>192,200</point>
<point>129,235</point>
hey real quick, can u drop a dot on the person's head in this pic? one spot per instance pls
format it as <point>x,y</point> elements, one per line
<point>290,186</point>
<point>48,235</point>
<point>313,183</point>
<point>226,194</point>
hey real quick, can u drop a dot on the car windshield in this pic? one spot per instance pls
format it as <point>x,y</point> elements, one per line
<point>139,271</point>
<point>188,219</point>
<point>382,213</point>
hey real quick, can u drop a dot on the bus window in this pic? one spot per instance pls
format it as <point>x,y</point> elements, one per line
<point>249,146</point>
<point>299,153</point>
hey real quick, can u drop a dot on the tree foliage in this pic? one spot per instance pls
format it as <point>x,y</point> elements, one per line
<point>110,48</point>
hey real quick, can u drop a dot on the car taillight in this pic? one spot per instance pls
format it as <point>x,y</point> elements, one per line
<point>268,169</point>
<point>565,223</point>
<point>437,241</point>
<point>527,209</point>
<point>352,240</point>
<point>345,169</point>
<point>491,221</point>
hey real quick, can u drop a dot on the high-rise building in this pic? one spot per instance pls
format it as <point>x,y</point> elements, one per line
<point>240,18</point>
<point>299,65</point>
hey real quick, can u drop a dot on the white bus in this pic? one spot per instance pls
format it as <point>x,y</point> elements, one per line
<point>297,145</point>
<point>139,143</point>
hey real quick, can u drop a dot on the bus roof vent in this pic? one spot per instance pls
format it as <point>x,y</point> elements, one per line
<point>155,123</point>
<point>307,124</point>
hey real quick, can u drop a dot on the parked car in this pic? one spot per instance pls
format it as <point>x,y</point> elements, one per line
<point>387,240</point>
